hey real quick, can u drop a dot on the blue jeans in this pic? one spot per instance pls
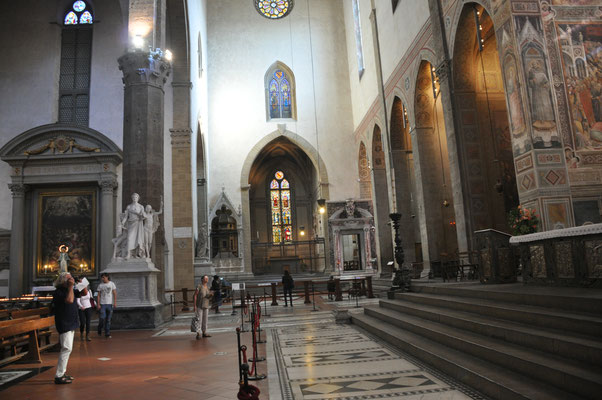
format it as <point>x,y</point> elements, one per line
<point>106,312</point>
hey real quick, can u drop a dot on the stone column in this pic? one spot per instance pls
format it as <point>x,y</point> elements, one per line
<point>107,221</point>
<point>183,243</point>
<point>144,74</point>
<point>17,240</point>
<point>443,72</point>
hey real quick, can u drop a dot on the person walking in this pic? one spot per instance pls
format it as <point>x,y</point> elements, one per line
<point>331,286</point>
<point>202,301</point>
<point>84,305</point>
<point>288,284</point>
<point>216,289</point>
<point>65,320</point>
<point>107,302</point>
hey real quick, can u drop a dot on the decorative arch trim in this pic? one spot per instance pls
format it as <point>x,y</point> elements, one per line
<point>42,140</point>
<point>302,143</point>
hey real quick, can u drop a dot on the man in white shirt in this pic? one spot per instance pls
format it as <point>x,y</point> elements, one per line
<point>107,301</point>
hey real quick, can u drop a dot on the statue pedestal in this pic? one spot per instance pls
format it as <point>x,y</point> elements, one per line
<point>137,304</point>
<point>203,266</point>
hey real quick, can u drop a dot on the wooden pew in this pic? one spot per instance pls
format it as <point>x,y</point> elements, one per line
<point>15,335</point>
<point>4,314</point>
<point>42,312</point>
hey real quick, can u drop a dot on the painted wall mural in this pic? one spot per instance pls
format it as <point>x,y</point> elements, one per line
<point>581,46</point>
<point>538,82</point>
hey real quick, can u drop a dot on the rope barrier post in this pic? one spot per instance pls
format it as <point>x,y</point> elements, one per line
<point>338,296</point>
<point>274,294</point>
<point>369,285</point>
<point>242,310</point>
<point>255,358</point>
<point>313,295</point>
<point>185,299</point>
<point>357,295</point>
<point>259,324</point>
<point>239,356</point>
<point>306,287</point>
<point>265,305</point>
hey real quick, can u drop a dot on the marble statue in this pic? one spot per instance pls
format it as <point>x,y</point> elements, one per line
<point>201,243</point>
<point>151,224</point>
<point>63,258</point>
<point>120,241</point>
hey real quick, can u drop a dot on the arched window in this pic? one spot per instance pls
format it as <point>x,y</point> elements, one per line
<point>280,93</point>
<point>280,207</point>
<point>76,54</point>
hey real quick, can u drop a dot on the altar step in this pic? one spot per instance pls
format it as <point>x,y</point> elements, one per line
<point>509,343</point>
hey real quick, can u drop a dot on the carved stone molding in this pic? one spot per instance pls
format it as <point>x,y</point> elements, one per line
<point>180,137</point>
<point>443,70</point>
<point>141,67</point>
<point>18,189</point>
<point>108,185</point>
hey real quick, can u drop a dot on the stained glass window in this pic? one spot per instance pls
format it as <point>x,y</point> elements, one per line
<point>274,9</point>
<point>281,209</point>
<point>76,15</point>
<point>70,18</point>
<point>76,54</point>
<point>280,96</point>
<point>86,18</point>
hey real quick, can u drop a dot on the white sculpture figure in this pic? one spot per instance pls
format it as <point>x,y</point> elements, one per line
<point>120,240</point>
<point>201,243</point>
<point>151,224</point>
<point>133,222</point>
<point>64,258</point>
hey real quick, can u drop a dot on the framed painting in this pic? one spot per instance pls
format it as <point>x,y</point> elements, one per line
<point>66,233</point>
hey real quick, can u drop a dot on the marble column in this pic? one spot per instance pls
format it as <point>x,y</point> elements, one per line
<point>107,220</point>
<point>443,73</point>
<point>17,240</point>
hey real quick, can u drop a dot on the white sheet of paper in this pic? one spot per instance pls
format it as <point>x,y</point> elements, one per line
<point>82,285</point>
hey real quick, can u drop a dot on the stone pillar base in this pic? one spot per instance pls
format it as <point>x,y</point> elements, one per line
<point>137,304</point>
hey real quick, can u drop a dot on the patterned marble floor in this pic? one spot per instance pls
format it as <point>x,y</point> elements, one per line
<point>329,361</point>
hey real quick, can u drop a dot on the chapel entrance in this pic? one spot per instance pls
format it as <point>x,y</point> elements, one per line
<point>483,128</point>
<point>282,199</point>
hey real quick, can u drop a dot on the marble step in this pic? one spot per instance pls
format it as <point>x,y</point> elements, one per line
<point>559,343</point>
<point>490,379</point>
<point>585,301</point>
<point>569,375</point>
<point>532,315</point>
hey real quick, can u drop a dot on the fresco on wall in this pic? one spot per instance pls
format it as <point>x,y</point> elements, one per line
<point>581,47</point>
<point>575,2</point>
<point>515,106</point>
<point>541,106</point>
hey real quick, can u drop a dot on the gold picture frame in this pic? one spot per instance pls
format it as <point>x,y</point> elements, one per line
<point>66,218</point>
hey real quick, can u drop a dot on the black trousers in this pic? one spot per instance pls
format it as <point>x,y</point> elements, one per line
<point>290,295</point>
<point>84,319</point>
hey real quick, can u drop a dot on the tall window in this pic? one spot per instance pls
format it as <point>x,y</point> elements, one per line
<point>76,53</point>
<point>280,205</point>
<point>280,95</point>
<point>358,37</point>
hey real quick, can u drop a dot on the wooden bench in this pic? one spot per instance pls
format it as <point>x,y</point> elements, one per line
<point>4,314</point>
<point>42,312</point>
<point>21,332</point>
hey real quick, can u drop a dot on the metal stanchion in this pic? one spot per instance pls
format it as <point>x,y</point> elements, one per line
<point>239,356</point>
<point>255,358</point>
<point>259,341</point>
<point>313,296</point>
<point>242,310</point>
<point>265,306</point>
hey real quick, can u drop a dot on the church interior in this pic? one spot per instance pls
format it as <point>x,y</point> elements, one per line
<point>429,173</point>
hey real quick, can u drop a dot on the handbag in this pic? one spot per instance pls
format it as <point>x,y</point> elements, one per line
<point>92,302</point>
<point>195,324</point>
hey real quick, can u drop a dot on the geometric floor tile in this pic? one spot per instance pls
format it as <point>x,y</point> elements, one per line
<point>409,381</point>
<point>322,388</point>
<point>365,385</point>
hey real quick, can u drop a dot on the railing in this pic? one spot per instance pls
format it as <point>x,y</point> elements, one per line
<point>300,256</point>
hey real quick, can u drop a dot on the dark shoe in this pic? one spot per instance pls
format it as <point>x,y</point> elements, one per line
<point>62,380</point>
<point>204,335</point>
<point>286,305</point>
<point>198,336</point>
<point>69,377</point>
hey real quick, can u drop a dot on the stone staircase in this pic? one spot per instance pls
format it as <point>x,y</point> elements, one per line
<point>507,341</point>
